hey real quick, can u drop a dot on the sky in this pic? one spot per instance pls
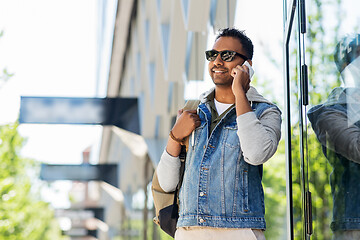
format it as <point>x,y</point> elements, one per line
<point>50,47</point>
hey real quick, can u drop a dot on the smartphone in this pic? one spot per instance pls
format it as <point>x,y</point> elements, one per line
<point>251,70</point>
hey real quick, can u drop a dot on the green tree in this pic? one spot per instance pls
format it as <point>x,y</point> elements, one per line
<point>274,184</point>
<point>23,215</point>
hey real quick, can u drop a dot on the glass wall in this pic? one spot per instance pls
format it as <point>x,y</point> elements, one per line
<point>322,50</point>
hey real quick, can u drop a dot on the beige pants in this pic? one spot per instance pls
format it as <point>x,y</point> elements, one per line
<point>208,233</point>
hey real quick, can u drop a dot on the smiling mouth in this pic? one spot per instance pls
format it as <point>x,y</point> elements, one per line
<point>219,71</point>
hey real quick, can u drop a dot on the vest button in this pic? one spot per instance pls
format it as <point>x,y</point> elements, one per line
<point>202,220</point>
<point>204,146</point>
<point>201,194</point>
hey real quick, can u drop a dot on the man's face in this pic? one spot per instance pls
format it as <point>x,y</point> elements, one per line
<point>220,70</point>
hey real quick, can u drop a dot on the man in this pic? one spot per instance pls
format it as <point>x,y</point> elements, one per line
<point>233,132</point>
<point>336,124</point>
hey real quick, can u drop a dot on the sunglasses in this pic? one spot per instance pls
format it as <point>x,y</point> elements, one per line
<point>226,55</point>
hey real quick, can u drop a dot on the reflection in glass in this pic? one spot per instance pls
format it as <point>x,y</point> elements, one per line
<point>336,124</point>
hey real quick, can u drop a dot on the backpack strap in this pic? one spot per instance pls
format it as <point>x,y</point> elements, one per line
<point>182,156</point>
<point>190,105</point>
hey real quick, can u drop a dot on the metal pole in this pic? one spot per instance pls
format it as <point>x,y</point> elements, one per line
<point>289,13</point>
<point>145,210</point>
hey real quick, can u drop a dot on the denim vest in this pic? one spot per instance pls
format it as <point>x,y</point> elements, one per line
<point>219,188</point>
<point>344,179</point>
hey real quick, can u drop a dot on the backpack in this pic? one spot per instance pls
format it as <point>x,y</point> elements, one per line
<point>167,203</point>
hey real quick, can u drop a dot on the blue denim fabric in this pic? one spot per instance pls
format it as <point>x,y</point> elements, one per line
<point>219,188</point>
<point>344,179</point>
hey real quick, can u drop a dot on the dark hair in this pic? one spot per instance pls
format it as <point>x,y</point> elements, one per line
<point>346,51</point>
<point>240,35</point>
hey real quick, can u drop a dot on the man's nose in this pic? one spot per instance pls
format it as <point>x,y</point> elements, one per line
<point>218,61</point>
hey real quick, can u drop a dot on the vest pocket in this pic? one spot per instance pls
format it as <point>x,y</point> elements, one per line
<point>241,191</point>
<point>231,138</point>
<point>245,185</point>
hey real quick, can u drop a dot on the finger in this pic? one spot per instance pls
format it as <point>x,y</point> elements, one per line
<point>195,117</point>
<point>242,68</point>
<point>245,67</point>
<point>179,113</point>
<point>197,124</point>
<point>191,111</point>
<point>247,70</point>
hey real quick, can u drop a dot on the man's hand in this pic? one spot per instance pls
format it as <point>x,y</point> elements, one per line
<point>241,82</point>
<point>186,122</point>
<point>240,86</point>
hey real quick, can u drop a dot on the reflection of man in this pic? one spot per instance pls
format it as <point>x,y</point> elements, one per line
<point>235,130</point>
<point>337,126</point>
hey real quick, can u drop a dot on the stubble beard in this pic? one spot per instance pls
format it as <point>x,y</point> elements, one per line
<point>223,82</point>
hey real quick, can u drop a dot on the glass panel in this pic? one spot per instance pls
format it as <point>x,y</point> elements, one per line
<point>334,129</point>
<point>295,119</point>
